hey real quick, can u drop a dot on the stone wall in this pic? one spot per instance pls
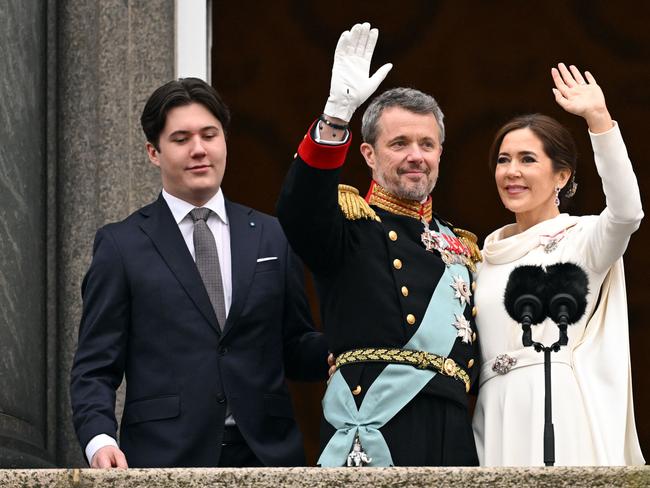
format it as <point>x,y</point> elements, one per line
<point>328,478</point>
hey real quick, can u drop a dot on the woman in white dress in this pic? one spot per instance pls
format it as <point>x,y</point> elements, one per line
<point>535,159</point>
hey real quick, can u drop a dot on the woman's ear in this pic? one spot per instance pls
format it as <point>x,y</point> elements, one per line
<point>563,177</point>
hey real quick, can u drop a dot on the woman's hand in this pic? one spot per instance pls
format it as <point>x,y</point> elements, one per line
<point>581,96</point>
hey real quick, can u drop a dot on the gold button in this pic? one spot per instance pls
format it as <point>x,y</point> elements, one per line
<point>473,336</point>
<point>357,390</point>
<point>397,264</point>
<point>473,285</point>
<point>405,291</point>
<point>392,235</point>
<point>474,311</point>
<point>410,318</point>
<point>470,363</point>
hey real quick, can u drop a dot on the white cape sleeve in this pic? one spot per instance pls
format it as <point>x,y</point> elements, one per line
<point>602,368</point>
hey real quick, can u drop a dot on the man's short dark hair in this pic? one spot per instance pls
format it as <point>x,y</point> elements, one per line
<point>176,93</point>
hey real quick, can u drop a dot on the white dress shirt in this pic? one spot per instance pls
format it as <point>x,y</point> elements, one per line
<point>218,225</point>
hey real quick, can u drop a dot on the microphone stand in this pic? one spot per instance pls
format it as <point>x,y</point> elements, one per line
<point>561,302</point>
<point>549,432</point>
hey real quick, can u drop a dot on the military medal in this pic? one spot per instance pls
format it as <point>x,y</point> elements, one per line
<point>464,329</point>
<point>451,249</point>
<point>461,289</point>
<point>357,457</point>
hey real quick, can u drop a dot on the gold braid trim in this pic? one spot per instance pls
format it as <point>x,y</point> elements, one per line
<point>418,359</point>
<point>385,200</point>
<point>354,207</point>
<point>470,240</point>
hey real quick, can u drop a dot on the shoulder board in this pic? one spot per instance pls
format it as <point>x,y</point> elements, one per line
<point>353,206</point>
<point>471,241</point>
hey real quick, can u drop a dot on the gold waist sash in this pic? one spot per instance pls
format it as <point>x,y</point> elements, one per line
<point>417,359</point>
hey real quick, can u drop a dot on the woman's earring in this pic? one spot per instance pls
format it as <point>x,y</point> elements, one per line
<point>573,186</point>
<point>557,196</point>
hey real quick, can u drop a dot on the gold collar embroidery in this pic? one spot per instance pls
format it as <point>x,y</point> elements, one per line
<point>382,198</point>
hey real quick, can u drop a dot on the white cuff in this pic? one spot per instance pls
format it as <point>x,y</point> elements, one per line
<point>613,128</point>
<point>96,443</point>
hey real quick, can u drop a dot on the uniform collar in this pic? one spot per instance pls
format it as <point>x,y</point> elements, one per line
<point>382,198</point>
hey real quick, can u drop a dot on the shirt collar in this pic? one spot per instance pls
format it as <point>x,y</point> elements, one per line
<point>180,208</point>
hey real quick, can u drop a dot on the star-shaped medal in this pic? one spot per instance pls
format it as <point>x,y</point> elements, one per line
<point>464,328</point>
<point>461,290</point>
<point>428,240</point>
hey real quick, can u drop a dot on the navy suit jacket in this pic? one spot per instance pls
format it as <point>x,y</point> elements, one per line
<point>147,315</point>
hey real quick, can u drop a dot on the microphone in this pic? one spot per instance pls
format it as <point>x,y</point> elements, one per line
<point>564,288</point>
<point>566,295</point>
<point>522,298</point>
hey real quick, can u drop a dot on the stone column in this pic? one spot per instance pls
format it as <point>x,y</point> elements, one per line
<point>24,351</point>
<point>111,55</point>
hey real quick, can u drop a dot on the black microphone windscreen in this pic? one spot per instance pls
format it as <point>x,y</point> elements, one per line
<point>524,280</point>
<point>571,279</point>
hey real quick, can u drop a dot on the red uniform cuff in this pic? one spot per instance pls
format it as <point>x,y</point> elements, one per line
<point>323,156</point>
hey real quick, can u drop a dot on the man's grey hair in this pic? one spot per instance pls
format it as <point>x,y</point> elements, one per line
<point>407,98</point>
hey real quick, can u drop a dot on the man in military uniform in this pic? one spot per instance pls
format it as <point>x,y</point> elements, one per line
<point>394,280</point>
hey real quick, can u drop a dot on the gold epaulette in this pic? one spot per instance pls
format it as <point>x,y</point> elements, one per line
<point>354,207</point>
<point>471,241</point>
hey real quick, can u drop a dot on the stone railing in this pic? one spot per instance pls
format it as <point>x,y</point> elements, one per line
<point>326,478</point>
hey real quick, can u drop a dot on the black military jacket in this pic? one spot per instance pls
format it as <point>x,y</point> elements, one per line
<point>370,276</point>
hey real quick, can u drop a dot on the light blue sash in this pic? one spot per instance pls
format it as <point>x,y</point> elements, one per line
<point>396,385</point>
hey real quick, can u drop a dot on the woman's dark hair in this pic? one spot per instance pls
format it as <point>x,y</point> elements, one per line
<point>183,91</point>
<point>557,141</point>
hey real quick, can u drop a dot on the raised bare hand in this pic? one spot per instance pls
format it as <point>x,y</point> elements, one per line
<point>581,96</point>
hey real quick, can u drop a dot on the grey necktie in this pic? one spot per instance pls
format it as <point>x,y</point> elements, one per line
<point>207,260</point>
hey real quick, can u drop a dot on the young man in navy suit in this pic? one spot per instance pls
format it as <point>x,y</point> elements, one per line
<point>201,391</point>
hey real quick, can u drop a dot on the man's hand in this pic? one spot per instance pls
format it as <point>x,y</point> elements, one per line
<point>351,81</point>
<point>109,457</point>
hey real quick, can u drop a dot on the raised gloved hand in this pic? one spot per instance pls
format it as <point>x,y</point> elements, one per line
<point>351,81</point>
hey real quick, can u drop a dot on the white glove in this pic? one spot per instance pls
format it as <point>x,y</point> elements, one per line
<point>351,81</point>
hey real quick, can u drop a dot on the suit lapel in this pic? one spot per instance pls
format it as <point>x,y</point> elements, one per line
<point>166,237</point>
<point>245,234</point>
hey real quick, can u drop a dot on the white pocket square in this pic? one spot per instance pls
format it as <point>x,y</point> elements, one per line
<point>270,258</point>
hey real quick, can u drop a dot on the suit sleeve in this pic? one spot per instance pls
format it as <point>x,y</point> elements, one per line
<point>98,365</point>
<point>305,350</point>
<point>308,207</point>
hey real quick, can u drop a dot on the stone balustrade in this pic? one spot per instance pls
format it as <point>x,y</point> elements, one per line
<point>327,478</point>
